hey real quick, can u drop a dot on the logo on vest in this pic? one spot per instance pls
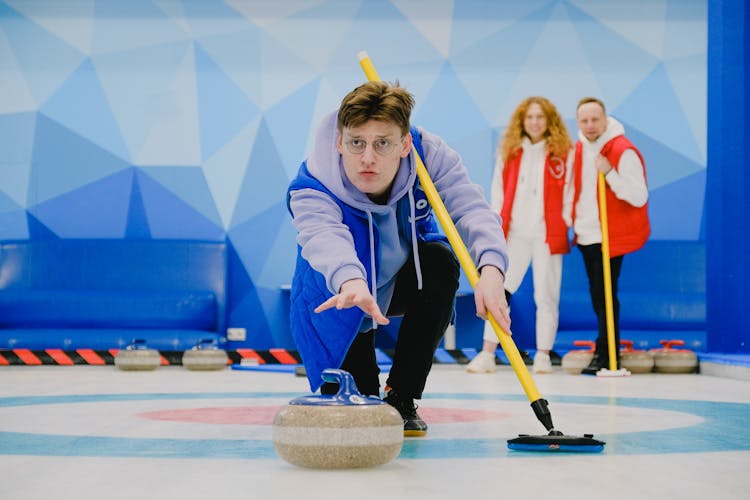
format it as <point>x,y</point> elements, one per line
<point>422,207</point>
<point>556,167</point>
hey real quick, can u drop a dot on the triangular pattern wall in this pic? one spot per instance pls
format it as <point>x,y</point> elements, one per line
<point>193,128</point>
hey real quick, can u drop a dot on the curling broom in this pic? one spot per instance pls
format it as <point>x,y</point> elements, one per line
<point>606,269</point>
<point>554,440</point>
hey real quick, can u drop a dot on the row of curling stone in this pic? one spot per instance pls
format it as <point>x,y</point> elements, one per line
<point>345,430</point>
<point>204,356</point>
<point>137,357</point>
<point>635,360</point>
<point>666,359</point>
<point>577,359</point>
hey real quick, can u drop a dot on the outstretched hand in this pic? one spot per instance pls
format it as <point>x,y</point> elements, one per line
<point>355,293</point>
<point>489,296</point>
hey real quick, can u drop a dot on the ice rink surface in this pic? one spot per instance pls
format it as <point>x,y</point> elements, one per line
<point>85,432</point>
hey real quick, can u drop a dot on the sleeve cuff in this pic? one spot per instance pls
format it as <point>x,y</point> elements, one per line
<point>344,274</point>
<point>493,259</point>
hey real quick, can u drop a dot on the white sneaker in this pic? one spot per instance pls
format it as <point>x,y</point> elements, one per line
<point>542,363</point>
<point>484,362</point>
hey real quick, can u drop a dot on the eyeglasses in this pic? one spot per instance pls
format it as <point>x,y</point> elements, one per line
<point>381,146</point>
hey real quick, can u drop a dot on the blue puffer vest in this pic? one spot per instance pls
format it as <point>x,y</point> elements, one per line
<point>323,339</point>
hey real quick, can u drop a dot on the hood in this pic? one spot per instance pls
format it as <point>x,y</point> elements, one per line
<point>325,164</point>
<point>614,129</point>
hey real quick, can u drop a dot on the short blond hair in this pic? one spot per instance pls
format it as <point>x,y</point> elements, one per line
<point>587,100</point>
<point>379,101</point>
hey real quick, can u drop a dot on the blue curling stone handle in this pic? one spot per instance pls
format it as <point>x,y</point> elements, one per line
<point>206,344</point>
<point>348,394</point>
<point>137,344</point>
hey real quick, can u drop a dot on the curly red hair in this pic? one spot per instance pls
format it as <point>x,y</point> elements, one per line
<point>556,135</point>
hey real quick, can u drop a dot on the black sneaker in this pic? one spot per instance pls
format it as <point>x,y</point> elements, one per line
<point>414,426</point>
<point>596,364</point>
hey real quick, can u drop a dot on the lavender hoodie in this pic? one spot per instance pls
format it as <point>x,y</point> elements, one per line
<point>327,244</point>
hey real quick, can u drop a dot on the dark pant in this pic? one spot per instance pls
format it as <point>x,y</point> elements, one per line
<point>426,314</point>
<point>592,258</point>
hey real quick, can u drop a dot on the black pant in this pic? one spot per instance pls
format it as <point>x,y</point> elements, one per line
<point>426,314</point>
<point>592,258</point>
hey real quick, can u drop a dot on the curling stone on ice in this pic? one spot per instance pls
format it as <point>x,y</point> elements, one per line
<point>576,360</point>
<point>137,357</point>
<point>670,360</point>
<point>205,355</point>
<point>635,360</point>
<point>341,431</point>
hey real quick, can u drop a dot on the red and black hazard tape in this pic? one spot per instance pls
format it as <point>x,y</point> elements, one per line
<point>56,357</point>
<point>60,357</point>
<point>34,357</point>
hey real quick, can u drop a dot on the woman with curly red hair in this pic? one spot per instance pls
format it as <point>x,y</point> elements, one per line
<point>528,188</point>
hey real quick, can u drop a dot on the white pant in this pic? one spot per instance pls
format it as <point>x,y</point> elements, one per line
<point>547,276</point>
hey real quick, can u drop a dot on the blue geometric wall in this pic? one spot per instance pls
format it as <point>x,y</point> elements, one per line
<point>187,119</point>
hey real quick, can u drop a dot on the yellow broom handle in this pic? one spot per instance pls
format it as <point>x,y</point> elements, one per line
<point>608,309</point>
<point>509,347</point>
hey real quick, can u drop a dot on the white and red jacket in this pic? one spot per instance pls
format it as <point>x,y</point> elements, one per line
<point>626,192</point>
<point>553,186</point>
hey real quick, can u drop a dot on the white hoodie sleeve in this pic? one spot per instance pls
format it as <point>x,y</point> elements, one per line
<point>628,181</point>
<point>568,190</point>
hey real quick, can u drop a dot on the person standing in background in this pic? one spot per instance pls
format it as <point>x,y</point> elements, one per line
<point>603,147</point>
<point>528,188</point>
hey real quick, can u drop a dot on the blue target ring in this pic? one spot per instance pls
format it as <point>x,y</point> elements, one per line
<point>722,427</point>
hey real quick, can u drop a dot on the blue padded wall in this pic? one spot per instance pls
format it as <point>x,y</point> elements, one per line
<point>193,127</point>
<point>728,204</point>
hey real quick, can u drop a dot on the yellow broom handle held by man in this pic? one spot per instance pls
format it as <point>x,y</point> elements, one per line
<point>509,347</point>
<point>608,309</point>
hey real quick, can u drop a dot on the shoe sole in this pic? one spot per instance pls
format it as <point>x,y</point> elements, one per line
<point>415,433</point>
<point>587,371</point>
<point>480,371</point>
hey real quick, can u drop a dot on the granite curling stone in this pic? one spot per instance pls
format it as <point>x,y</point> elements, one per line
<point>342,431</point>
<point>137,357</point>
<point>671,360</point>
<point>576,360</point>
<point>635,360</point>
<point>204,356</point>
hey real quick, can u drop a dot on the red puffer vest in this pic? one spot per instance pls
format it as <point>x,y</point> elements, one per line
<point>554,185</point>
<point>629,227</point>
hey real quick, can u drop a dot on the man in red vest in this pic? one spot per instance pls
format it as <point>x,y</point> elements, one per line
<point>603,147</point>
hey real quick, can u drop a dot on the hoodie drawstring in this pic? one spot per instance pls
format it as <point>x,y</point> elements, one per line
<point>414,247</point>
<point>374,285</point>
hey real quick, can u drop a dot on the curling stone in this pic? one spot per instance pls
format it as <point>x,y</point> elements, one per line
<point>342,431</point>
<point>137,357</point>
<point>635,360</point>
<point>576,360</point>
<point>669,360</point>
<point>205,355</point>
